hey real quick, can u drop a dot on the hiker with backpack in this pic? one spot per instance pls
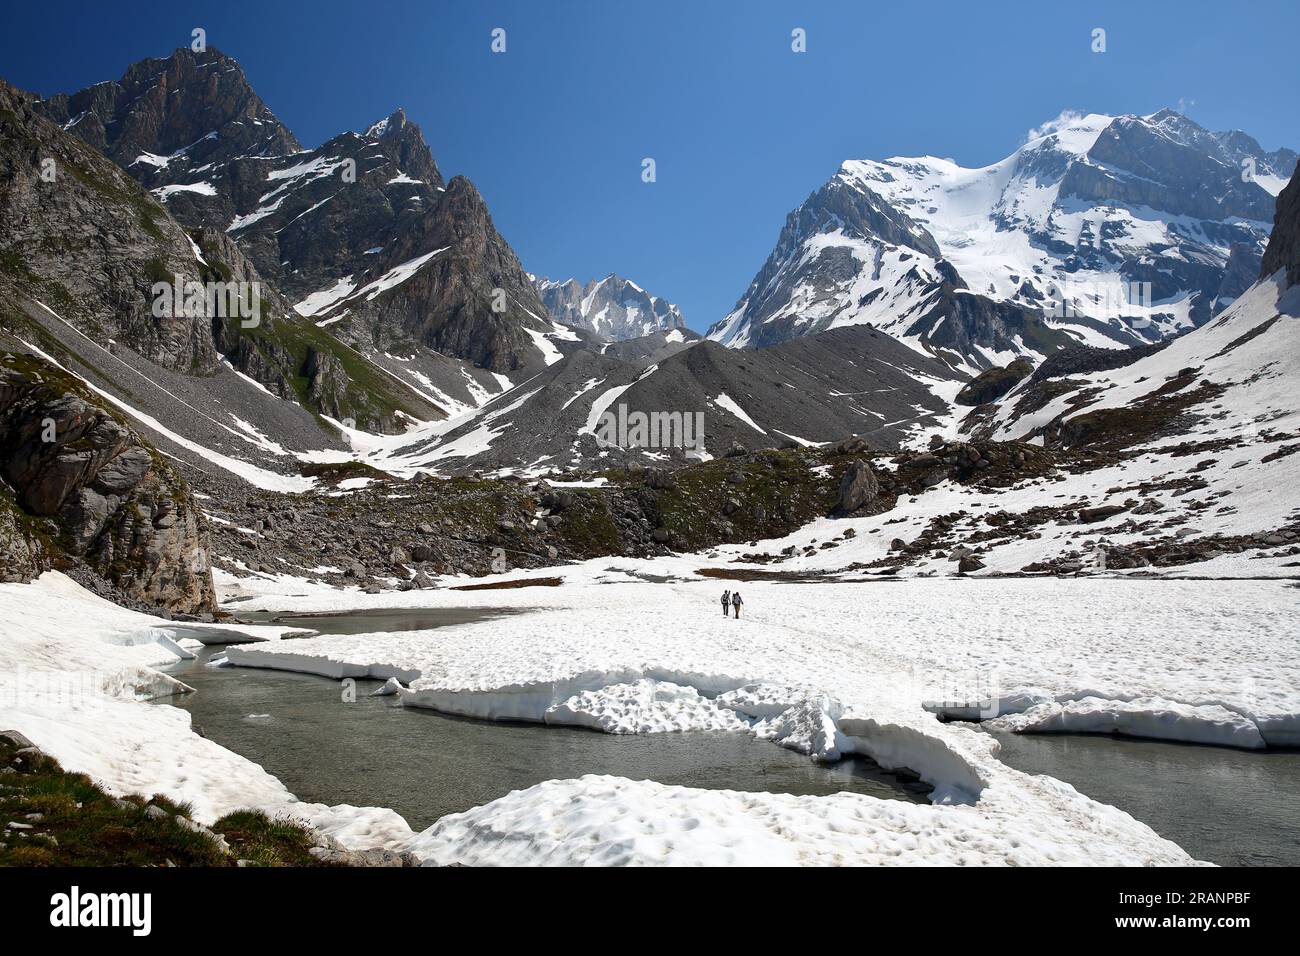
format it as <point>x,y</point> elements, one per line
<point>726,602</point>
<point>736,602</point>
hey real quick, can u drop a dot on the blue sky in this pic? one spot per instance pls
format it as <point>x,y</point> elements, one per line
<point>554,131</point>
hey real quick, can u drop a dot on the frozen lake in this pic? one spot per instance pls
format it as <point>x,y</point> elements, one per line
<point>1222,805</point>
<point>424,765</point>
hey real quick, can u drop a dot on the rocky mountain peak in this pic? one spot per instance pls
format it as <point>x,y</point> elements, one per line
<point>613,308</point>
<point>403,140</point>
<point>336,228</point>
<point>167,116</point>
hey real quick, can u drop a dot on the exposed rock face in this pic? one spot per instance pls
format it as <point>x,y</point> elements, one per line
<point>88,242</point>
<point>858,487</point>
<point>613,308</point>
<point>158,120</point>
<point>22,554</point>
<point>91,245</point>
<point>448,304</point>
<point>1284,245</point>
<point>114,502</point>
<point>1184,180</point>
<point>993,383</point>
<point>1238,275</point>
<point>311,219</point>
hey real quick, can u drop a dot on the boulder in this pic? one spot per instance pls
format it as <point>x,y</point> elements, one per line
<point>1100,513</point>
<point>858,487</point>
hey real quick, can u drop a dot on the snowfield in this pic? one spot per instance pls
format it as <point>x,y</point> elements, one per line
<point>76,673</point>
<point>825,669</point>
<point>828,669</point>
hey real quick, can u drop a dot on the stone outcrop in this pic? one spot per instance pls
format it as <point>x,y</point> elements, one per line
<point>993,383</point>
<point>1283,250</point>
<point>858,487</point>
<point>86,489</point>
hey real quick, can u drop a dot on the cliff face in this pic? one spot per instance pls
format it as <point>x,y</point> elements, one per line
<point>1283,250</point>
<point>78,234</point>
<point>448,304</point>
<point>78,486</point>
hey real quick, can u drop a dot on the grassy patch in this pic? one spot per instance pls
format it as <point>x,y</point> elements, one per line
<point>369,392</point>
<point>776,491</point>
<point>588,527</point>
<point>263,841</point>
<point>334,472</point>
<point>65,819</point>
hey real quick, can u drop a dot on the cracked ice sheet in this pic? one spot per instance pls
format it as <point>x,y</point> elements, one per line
<point>1201,643</point>
<point>825,669</point>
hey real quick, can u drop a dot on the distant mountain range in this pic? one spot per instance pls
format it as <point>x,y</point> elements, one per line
<point>902,335</point>
<point>392,305</point>
<point>613,308</point>
<point>1052,246</point>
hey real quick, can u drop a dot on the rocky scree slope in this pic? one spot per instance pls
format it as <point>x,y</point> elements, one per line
<point>808,391</point>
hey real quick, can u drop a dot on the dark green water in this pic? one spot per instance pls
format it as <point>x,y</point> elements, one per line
<point>1231,807</point>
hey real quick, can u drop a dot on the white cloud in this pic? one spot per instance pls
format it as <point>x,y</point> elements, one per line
<point>1065,118</point>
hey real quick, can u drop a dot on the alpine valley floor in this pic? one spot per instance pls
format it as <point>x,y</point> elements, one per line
<point>633,646</point>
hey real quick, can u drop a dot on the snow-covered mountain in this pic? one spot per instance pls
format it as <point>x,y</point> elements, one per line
<point>1068,229</point>
<point>613,308</point>
<point>361,232</point>
<point>1227,385</point>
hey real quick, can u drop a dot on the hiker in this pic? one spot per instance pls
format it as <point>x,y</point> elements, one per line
<point>726,601</point>
<point>736,602</point>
